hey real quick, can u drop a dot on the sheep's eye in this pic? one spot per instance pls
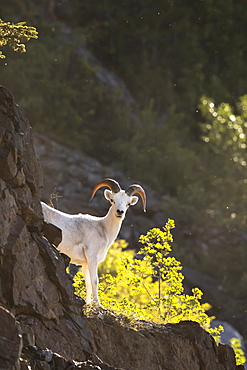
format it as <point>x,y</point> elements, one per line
<point>112,201</point>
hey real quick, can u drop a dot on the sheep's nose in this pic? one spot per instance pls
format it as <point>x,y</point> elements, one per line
<point>120,212</point>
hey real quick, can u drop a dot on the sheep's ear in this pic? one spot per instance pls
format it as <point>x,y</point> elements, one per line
<point>108,194</point>
<point>134,200</point>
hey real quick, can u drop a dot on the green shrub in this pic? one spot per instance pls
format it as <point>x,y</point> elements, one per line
<point>224,133</point>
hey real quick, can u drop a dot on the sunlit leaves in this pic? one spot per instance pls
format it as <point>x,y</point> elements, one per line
<point>239,353</point>
<point>15,35</point>
<point>226,130</point>
<point>148,285</point>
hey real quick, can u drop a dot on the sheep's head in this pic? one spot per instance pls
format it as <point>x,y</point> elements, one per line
<point>120,199</point>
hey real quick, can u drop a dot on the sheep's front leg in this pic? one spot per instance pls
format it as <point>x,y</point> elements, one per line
<point>88,283</point>
<point>93,267</point>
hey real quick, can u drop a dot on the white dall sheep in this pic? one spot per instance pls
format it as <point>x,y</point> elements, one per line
<point>86,239</point>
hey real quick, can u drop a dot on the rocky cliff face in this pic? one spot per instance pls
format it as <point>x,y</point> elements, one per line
<point>174,346</point>
<point>33,283</point>
<point>41,320</point>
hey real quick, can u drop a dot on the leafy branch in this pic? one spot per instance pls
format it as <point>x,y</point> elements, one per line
<point>15,35</point>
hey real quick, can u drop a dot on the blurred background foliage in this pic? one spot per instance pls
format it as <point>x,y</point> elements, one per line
<point>184,131</point>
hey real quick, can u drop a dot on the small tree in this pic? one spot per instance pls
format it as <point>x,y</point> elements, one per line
<point>149,285</point>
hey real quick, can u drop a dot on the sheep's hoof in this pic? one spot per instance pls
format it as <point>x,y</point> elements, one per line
<point>94,304</point>
<point>97,305</point>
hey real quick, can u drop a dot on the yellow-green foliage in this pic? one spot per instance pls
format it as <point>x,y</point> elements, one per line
<point>15,35</point>
<point>147,285</point>
<point>239,353</point>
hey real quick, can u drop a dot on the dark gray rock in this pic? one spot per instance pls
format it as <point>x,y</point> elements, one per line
<point>173,346</point>
<point>10,341</point>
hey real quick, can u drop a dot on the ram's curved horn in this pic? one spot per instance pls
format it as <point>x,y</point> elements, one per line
<point>110,183</point>
<point>137,189</point>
